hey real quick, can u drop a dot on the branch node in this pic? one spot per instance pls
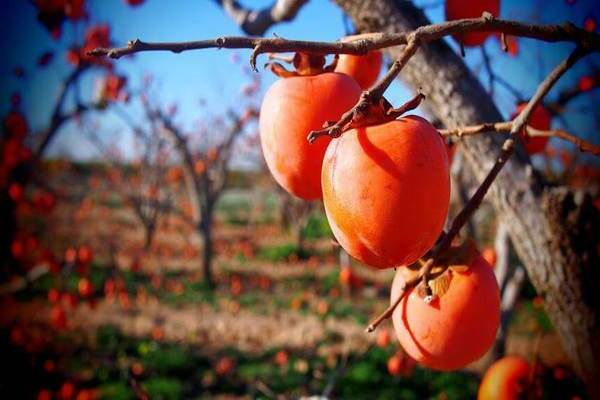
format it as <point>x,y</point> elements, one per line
<point>257,50</point>
<point>503,42</point>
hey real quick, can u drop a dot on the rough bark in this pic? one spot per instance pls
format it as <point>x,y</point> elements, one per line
<point>207,250</point>
<point>554,235</point>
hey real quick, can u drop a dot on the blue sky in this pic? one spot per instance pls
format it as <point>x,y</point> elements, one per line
<point>210,75</point>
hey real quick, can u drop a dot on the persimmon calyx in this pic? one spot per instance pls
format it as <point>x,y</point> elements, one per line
<point>437,282</point>
<point>305,64</point>
<point>368,112</point>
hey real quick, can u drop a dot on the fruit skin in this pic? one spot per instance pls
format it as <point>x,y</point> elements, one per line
<point>386,190</point>
<point>364,69</point>
<point>292,107</point>
<point>455,329</point>
<point>489,254</point>
<point>459,9</point>
<point>540,119</point>
<point>504,379</point>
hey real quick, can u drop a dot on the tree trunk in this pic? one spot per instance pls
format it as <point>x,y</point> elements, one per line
<point>149,230</point>
<point>7,234</point>
<point>300,249</point>
<point>554,232</point>
<point>207,250</point>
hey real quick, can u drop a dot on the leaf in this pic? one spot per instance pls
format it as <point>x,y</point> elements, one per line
<point>440,285</point>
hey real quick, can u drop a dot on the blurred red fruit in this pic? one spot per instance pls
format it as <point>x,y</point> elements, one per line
<point>44,394</point>
<point>539,119</point>
<point>281,358</point>
<point>506,379</point>
<point>67,391</point>
<point>85,287</point>
<point>589,24</point>
<point>224,366</point>
<point>586,83</point>
<point>85,255</point>
<point>54,295</point>
<point>15,191</point>
<point>458,9</point>
<point>58,317</point>
<point>383,338</point>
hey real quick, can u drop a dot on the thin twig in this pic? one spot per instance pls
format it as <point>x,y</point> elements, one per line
<point>505,127</point>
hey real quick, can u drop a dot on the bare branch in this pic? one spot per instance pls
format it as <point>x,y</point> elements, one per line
<point>256,22</point>
<point>549,33</point>
<point>505,127</point>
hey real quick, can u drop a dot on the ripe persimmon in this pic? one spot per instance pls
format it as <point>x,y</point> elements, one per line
<point>364,69</point>
<point>458,326</point>
<point>386,190</point>
<point>459,9</point>
<point>506,379</point>
<point>540,119</point>
<point>292,107</point>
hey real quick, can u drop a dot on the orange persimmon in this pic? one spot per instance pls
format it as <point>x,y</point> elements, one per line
<point>540,119</point>
<point>386,190</point>
<point>506,379</point>
<point>364,69</point>
<point>292,107</point>
<point>459,9</point>
<point>458,326</point>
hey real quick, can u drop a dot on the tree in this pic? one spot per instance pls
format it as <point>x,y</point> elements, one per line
<point>22,149</point>
<point>144,188</point>
<point>205,168</point>
<point>554,230</point>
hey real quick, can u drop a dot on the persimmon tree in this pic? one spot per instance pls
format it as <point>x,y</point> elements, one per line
<point>21,147</point>
<point>143,187</point>
<point>555,231</point>
<point>205,155</point>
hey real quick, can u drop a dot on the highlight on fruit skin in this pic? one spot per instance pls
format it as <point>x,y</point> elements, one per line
<point>364,69</point>
<point>458,326</point>
<point>292,107</point>
<point>489,254</point>
<point>386,190</point>
<point>506,379</point>
<point>540,119</point>
<point>459,9</point>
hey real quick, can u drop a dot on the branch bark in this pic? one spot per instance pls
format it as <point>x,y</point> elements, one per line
<point>256,22</point>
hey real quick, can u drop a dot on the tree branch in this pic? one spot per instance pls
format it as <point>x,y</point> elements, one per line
<point>256,22</point>
<point>566,32</point>
<point>505,127</point>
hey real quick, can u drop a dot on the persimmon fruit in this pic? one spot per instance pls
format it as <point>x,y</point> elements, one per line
<point>540,119</point>
<point>459,9</point>
<point>364,69</point>
<point>292,107</point>
<point>506,379</point>
<point>386,190</point>
<point>458,326</point>
<point>489,254</point>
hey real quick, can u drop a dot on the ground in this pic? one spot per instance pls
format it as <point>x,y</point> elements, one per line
<point>277,324</point>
